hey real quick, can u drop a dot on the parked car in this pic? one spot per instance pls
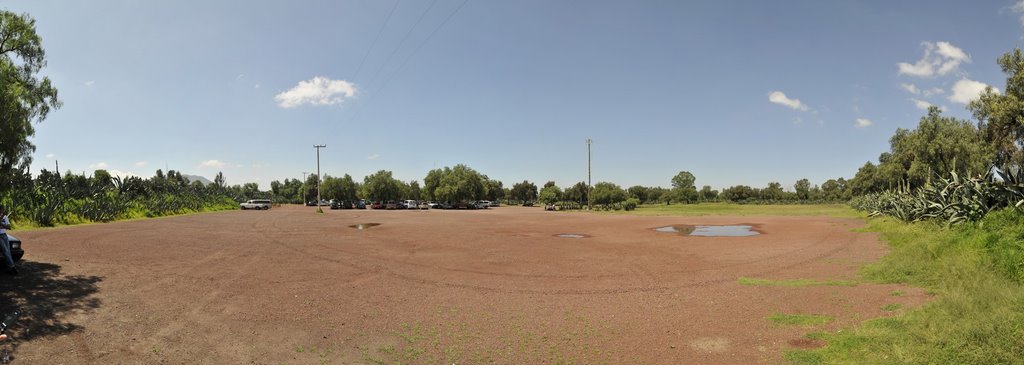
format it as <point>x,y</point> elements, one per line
<point>527,204</point>
<point>483,204</point>
<point>361,204</point>
<point>495,204</point>
<point>335,204</point>
<point>263,204</point>
<point>391,205</point>
<point>345,204</point>
<point>424,206</point>
<point>411,204</point>
<point>311,203</point>
<point>376,205</point>
<point>440,206</point>
<point>16,251</point>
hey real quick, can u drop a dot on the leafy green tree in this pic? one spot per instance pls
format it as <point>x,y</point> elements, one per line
<point>939,145</point>
<point>706,193</point>
<point>638,192</point>
<point>24,96</point>
<point>432,181</point>
<point>495,190</point>
<point>866,180</point>
<point>525,191</point>
<point>101,180</point>
<point>1001,116</point>
<point>684,180</point>
<point>683,188</point>
<point>220,182</point>
<point>550,195</point>
<point>772,192</point>
<point>738,193</point>
<point>382,186</point>
<point>803,189</point>
<point>831,190</point>
<point>457,184</point>
<point>606,193</point>
<point>309,188</point>
<point>549,184</point>
<point>658,194</point>
<point>414,190</point>
<point>577,193</point>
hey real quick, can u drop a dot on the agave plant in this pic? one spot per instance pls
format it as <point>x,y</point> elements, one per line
<point>953,199</point>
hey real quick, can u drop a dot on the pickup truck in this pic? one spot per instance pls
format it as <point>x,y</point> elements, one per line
<point>263,204</point>
<point>16,251</point>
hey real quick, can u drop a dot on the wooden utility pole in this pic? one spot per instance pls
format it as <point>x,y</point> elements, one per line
<point>590,205</point>
<point>318,147</point>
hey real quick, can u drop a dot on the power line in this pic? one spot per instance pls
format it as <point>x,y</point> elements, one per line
<point>400,43</point>
<point>411,55</point>
<point>417,49</point>
<point>374,44</point>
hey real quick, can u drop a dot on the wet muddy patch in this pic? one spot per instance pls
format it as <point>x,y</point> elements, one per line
<point>364,225</point>
<point>710,231</point>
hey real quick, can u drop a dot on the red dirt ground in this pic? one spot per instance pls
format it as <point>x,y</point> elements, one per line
<point>492,286</point>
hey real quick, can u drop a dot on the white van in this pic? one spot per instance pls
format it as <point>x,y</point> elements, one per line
<point>256,204</point>
<point>411,204</point>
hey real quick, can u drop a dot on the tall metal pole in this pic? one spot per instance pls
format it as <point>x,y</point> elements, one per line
<point>318,147</point>
<point>590,205</point>
<point>302,192</point>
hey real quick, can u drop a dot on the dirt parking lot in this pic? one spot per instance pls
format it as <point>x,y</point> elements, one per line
<point>491,286</point>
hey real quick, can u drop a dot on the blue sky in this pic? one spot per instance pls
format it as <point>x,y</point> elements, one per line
<point>737,92</point>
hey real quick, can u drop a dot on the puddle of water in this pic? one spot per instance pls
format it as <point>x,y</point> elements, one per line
<point>364,225</point>
<point>681,229</point>
<point>710,231</point>
<point>571,235</point>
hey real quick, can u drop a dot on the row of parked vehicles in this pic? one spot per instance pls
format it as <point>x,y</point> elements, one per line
<point>404,204</point>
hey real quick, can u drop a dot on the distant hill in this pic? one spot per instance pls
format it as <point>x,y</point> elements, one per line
<point>192,178</point>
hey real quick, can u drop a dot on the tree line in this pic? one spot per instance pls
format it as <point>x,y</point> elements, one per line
<point>51,198</point>
<point>952,169</point>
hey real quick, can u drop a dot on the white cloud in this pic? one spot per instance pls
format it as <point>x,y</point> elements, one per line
<point>239,77</point>
<point>1019,9</point>
<point>911,88</point>
<point>965,90</point>
<point>89,83</point>
<point>98,165</point>
<point>780,98</point>
<point>50,156</point>
<point>122,174</point>
<point>939,59</point>
<point>861,123</point>
<point>921,104</point>
<point>141,164</point>
<point>212,163</point>
<point>932,91</point>
<point>373,157</point>
<point>316,91</point>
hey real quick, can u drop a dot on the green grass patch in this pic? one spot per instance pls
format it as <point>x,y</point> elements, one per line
<point>977,317</point>
<point>833,210</point>
<point>892,307</point>
<point>795,282</point>
<point>799,319</point>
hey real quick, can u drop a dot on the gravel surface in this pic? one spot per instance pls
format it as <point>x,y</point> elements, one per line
<point>491,286</point>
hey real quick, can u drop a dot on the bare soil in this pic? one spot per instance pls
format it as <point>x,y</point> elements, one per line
<point>491,286</point>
